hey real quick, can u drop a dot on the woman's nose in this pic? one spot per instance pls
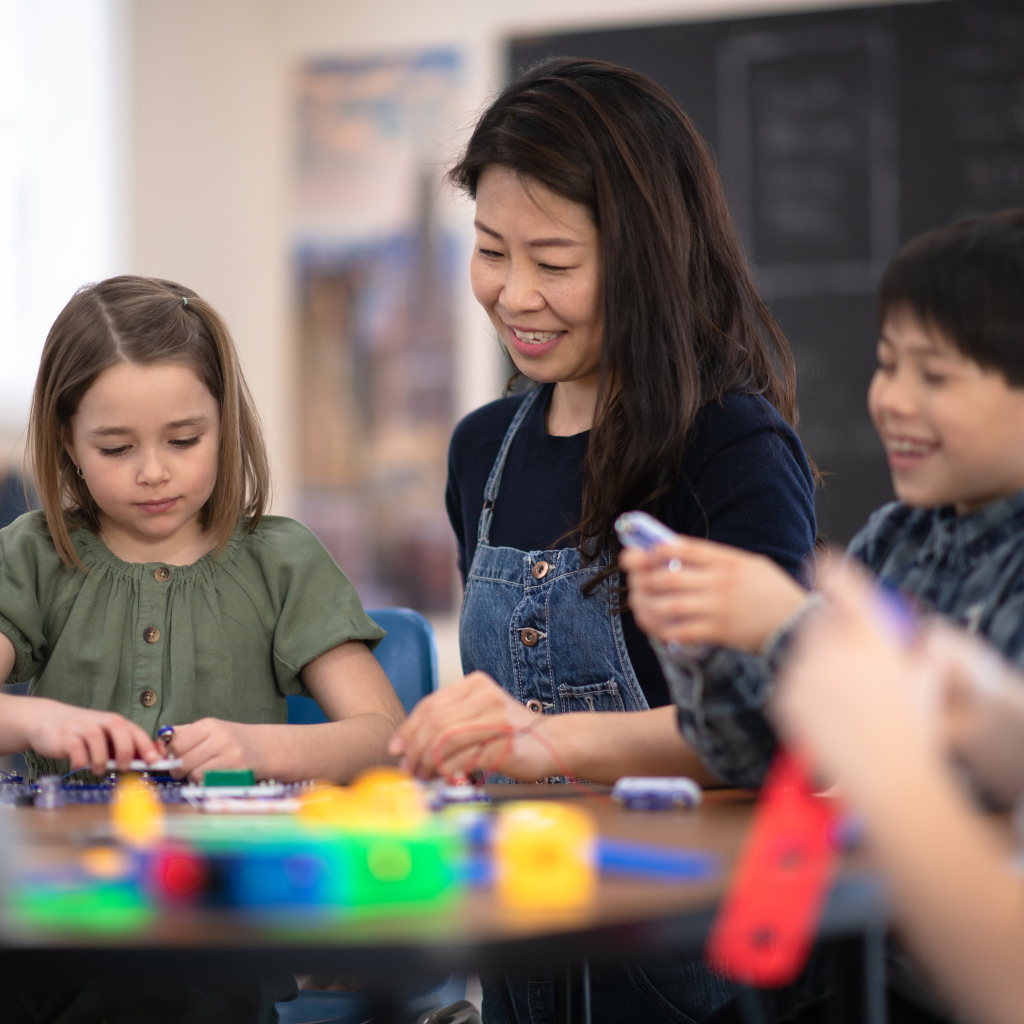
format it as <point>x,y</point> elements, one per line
<point>520,293</point>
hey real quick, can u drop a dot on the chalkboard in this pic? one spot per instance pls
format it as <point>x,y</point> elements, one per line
<point>840,134</point>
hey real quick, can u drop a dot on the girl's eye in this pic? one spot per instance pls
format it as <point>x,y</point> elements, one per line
<point>548,266</point>
<point>185,442</point>
<point>935,379</point>
<point>115,451</point>
<point>490,253</point>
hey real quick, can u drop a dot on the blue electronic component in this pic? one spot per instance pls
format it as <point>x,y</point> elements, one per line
<point>653,793</point>
<point>666,863</point>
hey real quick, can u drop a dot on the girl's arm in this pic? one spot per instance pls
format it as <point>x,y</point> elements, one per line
<point>696,591</point>
<point>475,724</point>
<point>848,700</point>
<point>351,689</point>
<point>85,737</point>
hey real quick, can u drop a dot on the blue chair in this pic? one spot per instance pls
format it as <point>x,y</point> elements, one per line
<point>408,655</point>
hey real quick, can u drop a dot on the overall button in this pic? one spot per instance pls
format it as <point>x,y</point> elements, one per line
<point>148,698</point>
<point>534,705</point>
<point>162,575</point>
<point>151,634</point>
<point>540,570</point>
<point>529,637</point>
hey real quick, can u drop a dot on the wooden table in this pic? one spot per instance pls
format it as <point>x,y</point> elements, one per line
<point>394,952</point>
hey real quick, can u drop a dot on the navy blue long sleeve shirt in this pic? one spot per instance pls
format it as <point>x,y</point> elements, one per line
<point>743,480</point>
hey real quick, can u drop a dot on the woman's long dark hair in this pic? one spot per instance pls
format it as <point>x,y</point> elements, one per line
<point>683,323</point>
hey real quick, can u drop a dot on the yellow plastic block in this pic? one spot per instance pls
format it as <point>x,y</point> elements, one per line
<point>137,814</point>
<point>545,855</point>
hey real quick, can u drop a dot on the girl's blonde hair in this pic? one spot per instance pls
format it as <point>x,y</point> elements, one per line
<point>141,320</point>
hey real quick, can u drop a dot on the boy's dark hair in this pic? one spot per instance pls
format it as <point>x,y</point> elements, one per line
<point>966,281</point>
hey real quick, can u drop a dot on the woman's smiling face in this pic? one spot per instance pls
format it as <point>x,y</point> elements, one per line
<point>537,270</point>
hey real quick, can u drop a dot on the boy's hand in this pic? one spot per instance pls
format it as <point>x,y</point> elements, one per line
<point>696,591</point>
<point>85,737</point>
<point>469,725</point>
<point>211,743</point>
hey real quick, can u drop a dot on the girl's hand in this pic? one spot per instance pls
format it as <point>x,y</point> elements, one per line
<point>696,591</point>
<point>85,737</point>
<point>211,743</point>
<point>473,724</point>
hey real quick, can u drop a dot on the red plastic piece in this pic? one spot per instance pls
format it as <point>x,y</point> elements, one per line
<point>178,876</point>
<point>766,925</point>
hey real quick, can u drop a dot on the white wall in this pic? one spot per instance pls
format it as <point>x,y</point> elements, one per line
<point>60,218</point>
<point>209,159</point>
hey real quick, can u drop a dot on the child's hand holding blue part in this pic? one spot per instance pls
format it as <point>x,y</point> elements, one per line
<point>86,738</point>
<point>693,591</point>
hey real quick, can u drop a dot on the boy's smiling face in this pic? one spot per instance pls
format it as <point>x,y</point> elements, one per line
<point>953,430</point>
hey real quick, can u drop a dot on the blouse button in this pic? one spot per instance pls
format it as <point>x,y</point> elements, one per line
<point>148,698</point>
<point>534,705</point>
<point>529,637</point>
<point>151,634</point>
<point>540,570</point>
<point>162,575</point>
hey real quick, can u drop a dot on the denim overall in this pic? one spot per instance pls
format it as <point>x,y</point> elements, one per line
<point>525,622</point>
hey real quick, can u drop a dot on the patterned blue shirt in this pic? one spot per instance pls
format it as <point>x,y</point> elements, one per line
<point>968,568</point>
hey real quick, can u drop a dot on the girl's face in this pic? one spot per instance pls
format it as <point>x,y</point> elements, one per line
<point>147,440</point>
<point>951,428</point>
<point>537,271</point>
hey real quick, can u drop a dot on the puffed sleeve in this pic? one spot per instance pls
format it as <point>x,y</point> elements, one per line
<point>25,566</point>
<point>318,609</point>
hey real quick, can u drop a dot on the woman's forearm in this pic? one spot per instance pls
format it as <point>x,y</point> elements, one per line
<point>603,746</point>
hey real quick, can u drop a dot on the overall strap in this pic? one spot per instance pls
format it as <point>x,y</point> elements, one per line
<point>483,533</point>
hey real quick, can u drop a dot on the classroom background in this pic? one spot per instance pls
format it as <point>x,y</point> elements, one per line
<point>285,159</point>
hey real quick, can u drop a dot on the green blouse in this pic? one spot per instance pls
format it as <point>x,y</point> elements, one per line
<point>167,644</point>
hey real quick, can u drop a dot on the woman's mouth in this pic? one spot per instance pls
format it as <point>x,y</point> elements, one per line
<point>533,343</point>
<point>155,507</point>
<point>908,452</point>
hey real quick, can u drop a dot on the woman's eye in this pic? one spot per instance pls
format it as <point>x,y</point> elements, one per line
<point>490,254</point>
<point>932,378</point>
<point>549,266</point>
<point>115,451</point>
<point>185,442</point>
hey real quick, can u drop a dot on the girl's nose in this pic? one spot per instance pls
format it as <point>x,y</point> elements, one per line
<point>152,468</point>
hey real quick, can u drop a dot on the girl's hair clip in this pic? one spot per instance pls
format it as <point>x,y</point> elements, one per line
<point>184,301</point>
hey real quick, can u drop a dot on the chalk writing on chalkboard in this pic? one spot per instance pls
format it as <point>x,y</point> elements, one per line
<point>808,147</point>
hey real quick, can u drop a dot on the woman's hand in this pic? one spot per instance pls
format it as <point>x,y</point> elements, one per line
<point>696,591</point>
<point>472,724</point>
<point>85,737</point>
<point>211,743</point>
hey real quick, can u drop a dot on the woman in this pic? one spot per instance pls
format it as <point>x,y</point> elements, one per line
<point>609,266</point>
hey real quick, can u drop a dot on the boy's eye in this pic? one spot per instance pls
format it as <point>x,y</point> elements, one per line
<point>115,451</point>
<point>185,442</point>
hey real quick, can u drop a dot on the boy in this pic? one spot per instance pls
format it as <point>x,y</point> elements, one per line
<point>947,400</point>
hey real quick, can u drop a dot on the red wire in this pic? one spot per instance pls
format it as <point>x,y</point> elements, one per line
<point>510,734</point>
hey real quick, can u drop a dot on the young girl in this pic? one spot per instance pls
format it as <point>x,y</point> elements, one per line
<point>151,589</point>
<point>609,267</point>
